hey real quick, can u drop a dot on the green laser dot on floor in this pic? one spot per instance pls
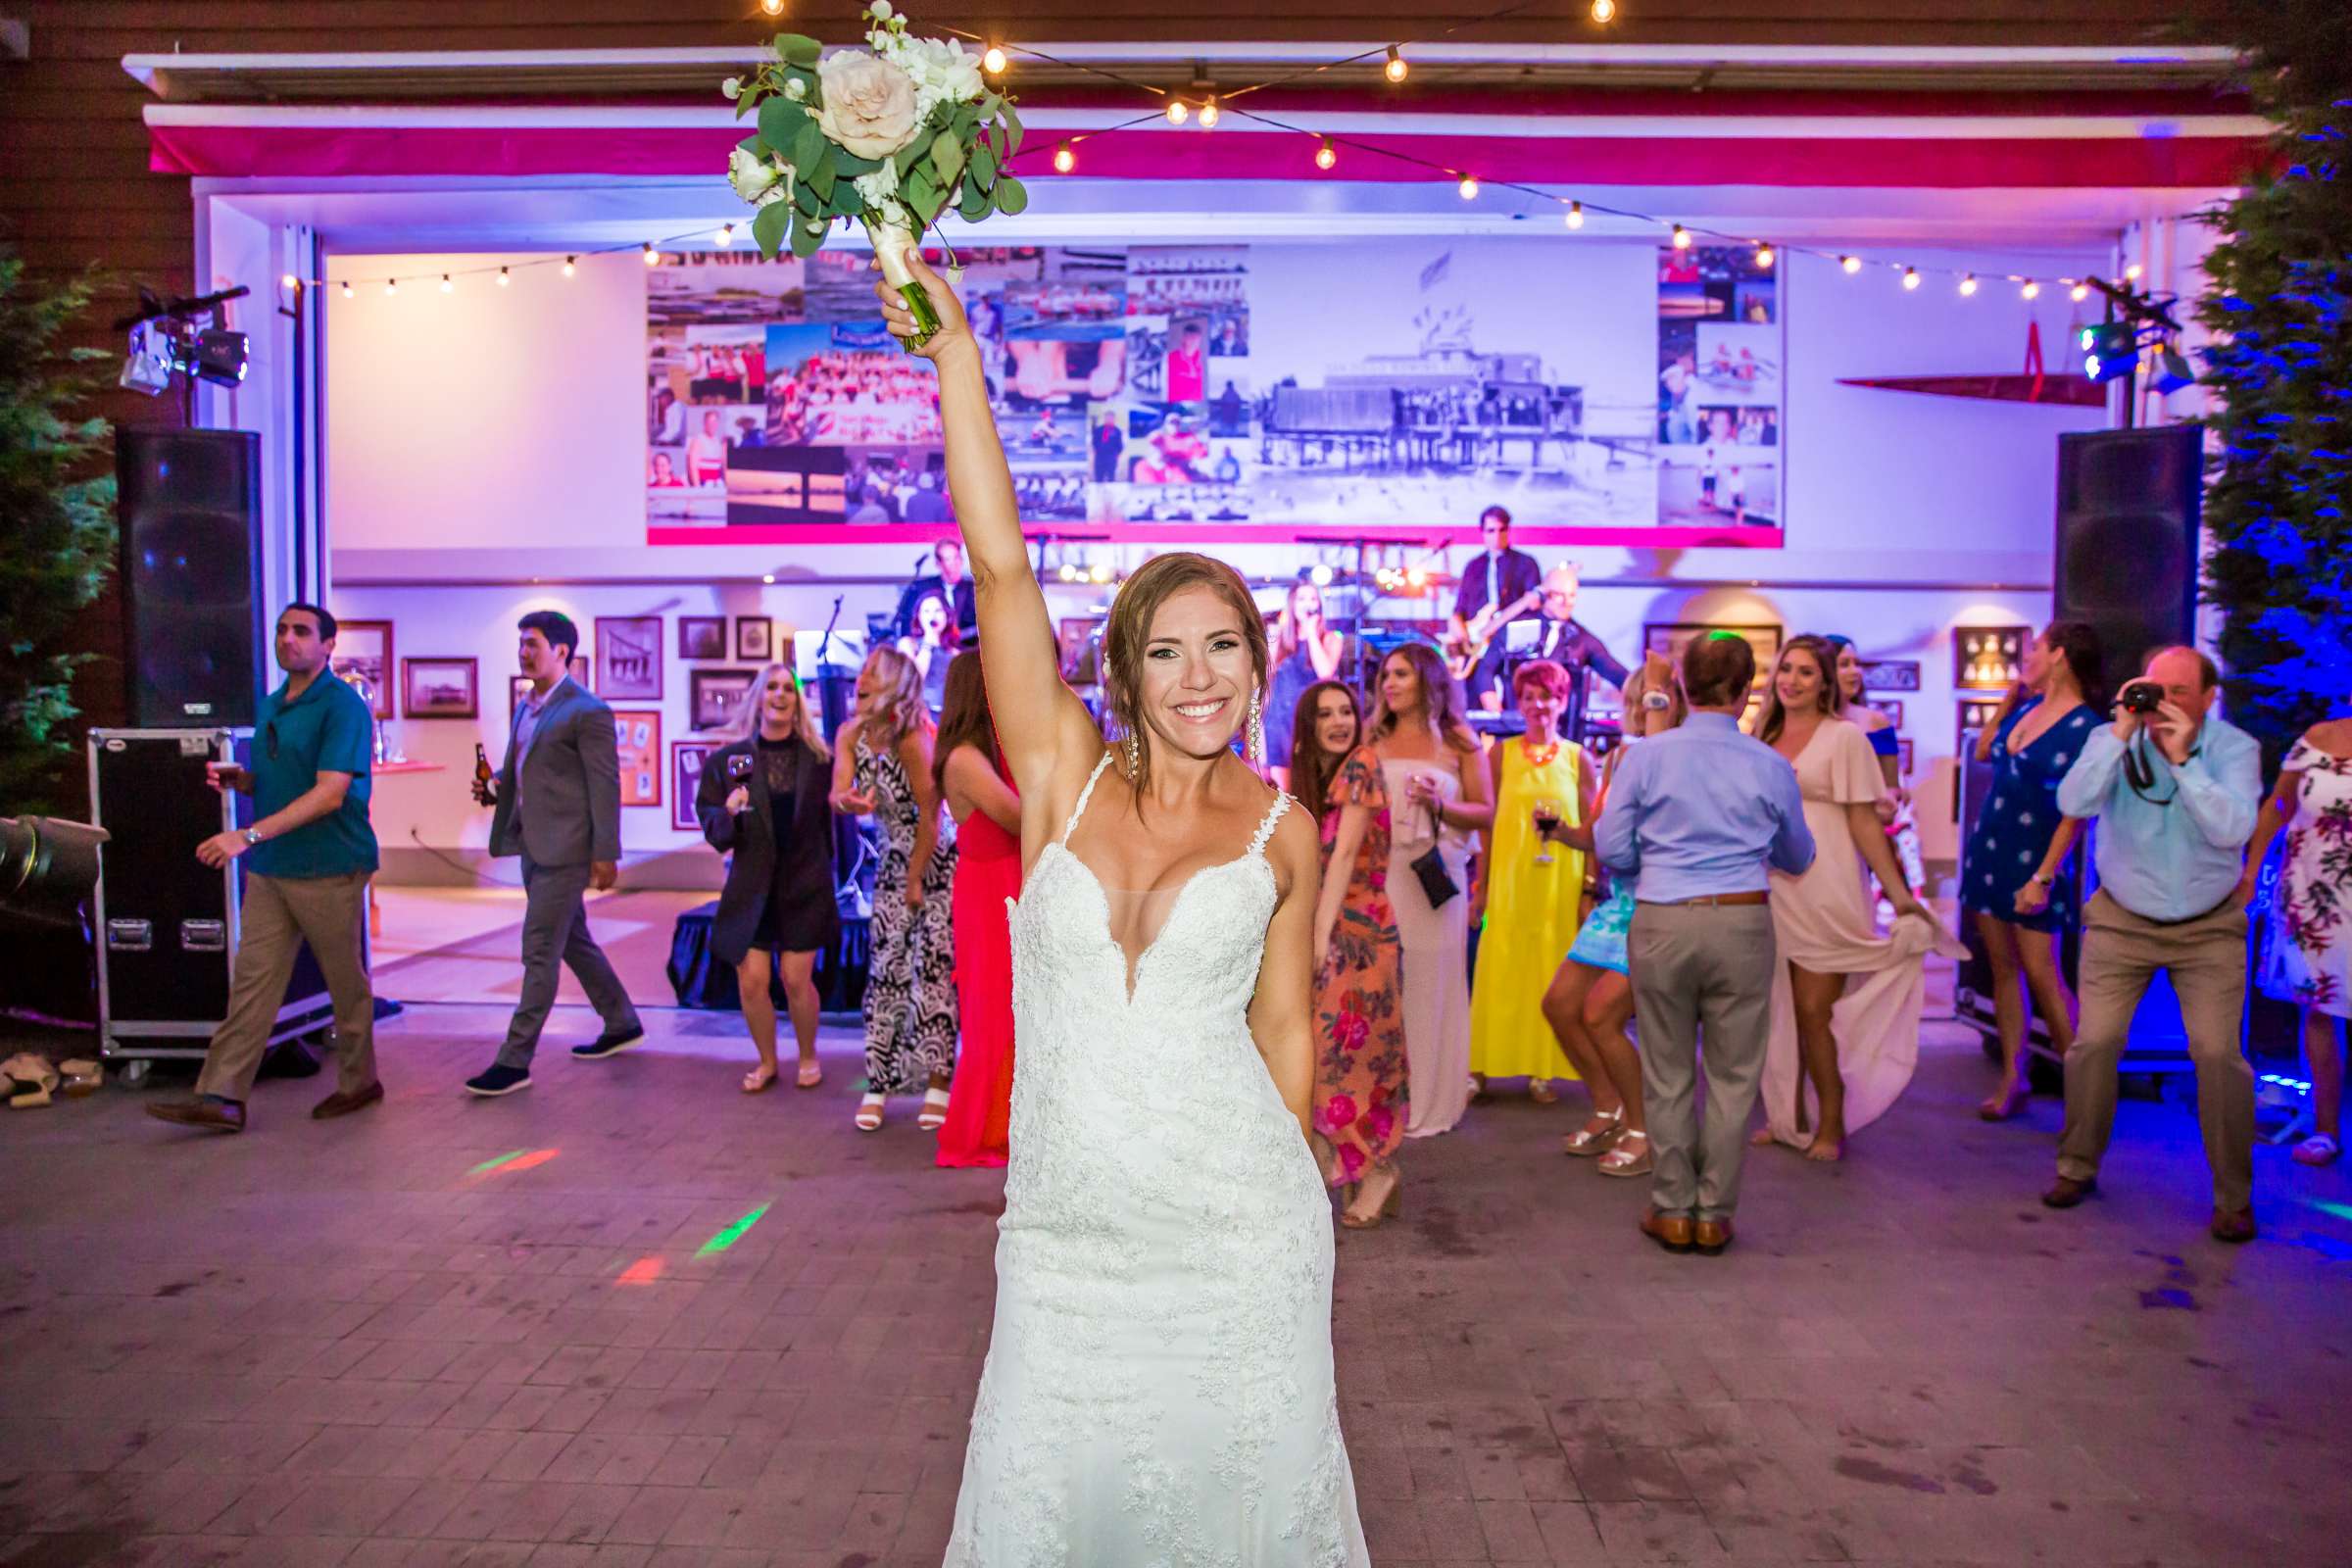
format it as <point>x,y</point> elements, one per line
<point>732,1233</point>
<point>493,1164</point>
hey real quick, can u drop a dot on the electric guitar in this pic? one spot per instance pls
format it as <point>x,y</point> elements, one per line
<point>1463,652</point>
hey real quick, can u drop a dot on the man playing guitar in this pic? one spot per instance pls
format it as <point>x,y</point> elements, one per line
<point>1501,585</point>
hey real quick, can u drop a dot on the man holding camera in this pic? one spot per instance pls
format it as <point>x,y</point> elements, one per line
<point>2176,791</point>
<point>308,857</point>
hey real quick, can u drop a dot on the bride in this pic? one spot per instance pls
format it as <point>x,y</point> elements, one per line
<point>1158,1386</point>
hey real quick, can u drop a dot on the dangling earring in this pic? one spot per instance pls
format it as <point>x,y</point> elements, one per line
<point>1257,736</point>
<point>1135,756</point>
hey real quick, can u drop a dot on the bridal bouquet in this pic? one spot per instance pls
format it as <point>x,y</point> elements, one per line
<point>891,136</point>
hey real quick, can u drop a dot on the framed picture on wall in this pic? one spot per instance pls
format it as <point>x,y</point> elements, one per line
<point>439,688</point>
<point>1904,756</point>
<point>1672,637</point>
<point>686,759</point>
<point>1892,706</point>
<point>713,694</point>
<point>363,648</point>
<point>628,658</point>
<point>1890,674</point>
<point>584,673</point>
<point>752,638</point>
<point>1975,714</point>
<point>1988,658</point>
<point>702,636</point>
<point>518,687</point>
<point>637,737</point>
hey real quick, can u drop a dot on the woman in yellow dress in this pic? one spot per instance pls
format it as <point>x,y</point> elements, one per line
<point>1534,890</point>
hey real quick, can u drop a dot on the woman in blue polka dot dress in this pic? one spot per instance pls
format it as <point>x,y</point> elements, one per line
<point>2009,881</point>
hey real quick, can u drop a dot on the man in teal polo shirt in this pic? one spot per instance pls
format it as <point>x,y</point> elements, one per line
<point>309,855</point>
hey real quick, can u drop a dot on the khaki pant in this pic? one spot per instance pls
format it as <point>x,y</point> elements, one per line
<point>2206,959</point>
<point>281,913</point>
<point>1700,967</point>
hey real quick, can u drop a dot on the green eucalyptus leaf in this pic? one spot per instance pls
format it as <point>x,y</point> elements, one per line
<point>779,120</point>
<point>756,145</point>
<point>769,226</point>
<point>805,200</point>
<point>798,49</point>
<point>946,156</point>
<point>975,203</point>
<point>1012,127</point>
<point>808,241</point>
<point>984,164</point>
<point>912,153</point>
<point>818,178</point>
<point>845,202</point>
<point>850,166</point>
<point>807,146</point>
<point>1011,196</point>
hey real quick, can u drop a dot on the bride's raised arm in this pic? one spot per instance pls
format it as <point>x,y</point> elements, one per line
<point>1045,730</point>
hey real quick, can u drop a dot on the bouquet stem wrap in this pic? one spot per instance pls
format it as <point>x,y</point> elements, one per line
<point>892,242</point>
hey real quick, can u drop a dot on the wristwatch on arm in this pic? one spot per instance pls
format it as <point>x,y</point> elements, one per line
<point>253,836</point>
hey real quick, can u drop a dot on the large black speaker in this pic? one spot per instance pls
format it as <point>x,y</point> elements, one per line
<point>192,510</point>
<point>2127,557</point>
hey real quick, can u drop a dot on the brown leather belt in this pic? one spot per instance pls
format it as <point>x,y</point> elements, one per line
<point>1714,900</point>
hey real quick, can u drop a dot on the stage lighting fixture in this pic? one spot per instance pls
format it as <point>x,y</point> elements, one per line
<point>1576,214</point>
<point>1396,68</point>
<point>1064,158</point>
<point>216,355</point>
<point>147,365</point>
<point>1319,576</point>
<point>994,61</point>
<point>1326,155</point>
<point>2109,350</point>
<point>2172,372</point>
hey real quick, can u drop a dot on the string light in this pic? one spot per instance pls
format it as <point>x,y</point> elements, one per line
<point>1576,214</point>
<point>2132,273</point>
<point>993,62</point>
<point>1208,112</point>
<point>448,286</point>
<point>504,279</point>
<point>2079,293</point>
<point>290,281</point>
<point>774,8</point>
<point>571,266</point>
<point>1851,263</point>
<point>1604,12</point>
<point>1468,187</point>
<point>1396,68</point>
<point>1064,160</point>
<point>391,285</point>
<point>1682,238</point>
<point>653,257</point>
<point>1968,286</point>
<point>1764,257</point>
<point>1178,110</point>
<point>347,288</point>
<point>726,234</point>
<point>2030,290</point>
<point>1910,278</point>
<point>1326,155</point>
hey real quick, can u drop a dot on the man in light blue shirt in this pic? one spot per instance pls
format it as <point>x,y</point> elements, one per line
<point>1698,817</point>
<point>2176,791</point>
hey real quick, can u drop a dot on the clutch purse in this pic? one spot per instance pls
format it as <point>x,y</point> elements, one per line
<point>1436,883</point>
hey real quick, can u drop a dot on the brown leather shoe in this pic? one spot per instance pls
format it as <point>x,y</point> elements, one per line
<point>2235,1229</point>
<point>2065,1192</point>
<point>1711,1236</point>
<point>212,1115</point>
<point>340,1104</point>
<point>1670,1231</point>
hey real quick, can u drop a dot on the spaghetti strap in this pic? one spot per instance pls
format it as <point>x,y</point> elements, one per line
<point>1265,829</point>
<point>1085,795</point>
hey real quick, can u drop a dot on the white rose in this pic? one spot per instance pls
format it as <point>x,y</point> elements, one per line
<point>731,89</point>
<point>750,176</point>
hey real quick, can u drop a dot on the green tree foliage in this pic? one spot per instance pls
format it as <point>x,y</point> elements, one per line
<point>57,525</point>
<point>2279,304</point>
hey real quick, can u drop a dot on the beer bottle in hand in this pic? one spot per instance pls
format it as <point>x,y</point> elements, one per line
<point>481,774</point>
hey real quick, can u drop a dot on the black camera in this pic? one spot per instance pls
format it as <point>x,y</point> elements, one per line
<point>47,867</point>
<point>2142,697</point>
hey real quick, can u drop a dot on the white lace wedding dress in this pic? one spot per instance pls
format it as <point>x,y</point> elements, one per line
<point>1158,1389</point>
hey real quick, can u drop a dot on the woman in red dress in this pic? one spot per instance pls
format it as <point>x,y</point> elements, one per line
<point>978,788</point>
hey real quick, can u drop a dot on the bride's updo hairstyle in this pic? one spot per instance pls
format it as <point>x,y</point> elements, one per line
<point>1128,633</point>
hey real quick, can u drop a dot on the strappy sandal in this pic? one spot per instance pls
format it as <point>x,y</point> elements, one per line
<point>30,1081</point>
<point>2320,1148</point>
<point>1541,1093</point>
<point>1390,1207</point>
<point>1626,1160</point>
<point>83,1077</point>
<point>760,1080</point>
<point>934,1114</point>
<point>869,1113</point>
<point>1587,1142</point>
<point>810,1074</point>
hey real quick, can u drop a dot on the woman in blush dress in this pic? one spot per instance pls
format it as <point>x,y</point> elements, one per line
<point>2308,957</point>
<point>1438,797</point>
<point>882,766</point>
<point>977,788</point>
<point>1305,651</point>
<point>2009,874</point>
<point>1845,1001</point>
<point>1361,1079</point>
<point>1158,1385</point>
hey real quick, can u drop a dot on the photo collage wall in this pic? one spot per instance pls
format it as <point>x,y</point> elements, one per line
<point>1288,387</point>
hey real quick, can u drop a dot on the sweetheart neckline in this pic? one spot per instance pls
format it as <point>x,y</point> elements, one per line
<point>1135,965</point>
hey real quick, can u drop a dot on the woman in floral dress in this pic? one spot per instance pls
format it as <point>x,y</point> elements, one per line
<point>882,766</point>
<point>1360,1081</point>
<point>2308,956</point>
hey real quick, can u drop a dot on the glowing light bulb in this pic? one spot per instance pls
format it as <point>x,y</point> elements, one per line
<point>1604,12</point>
<point>725,235</point>
<point>768,577</point>
<point>1910,278</point>
<point>1576,214</point>
<point>290,281</point>
<point>504,280</point>
<point>1764,257</point>
<point>2079,293</point>
<point>1101,573</point>
<point>2132,273</point>
<point>1968,286</point>
<point>1395,68</point>
<point>1682,238</point>
<point>447,286</point>
<point>1320,576</point>
<point>1208,112</point>
<point>653,257</point>
<point>1326,155</point>
<point>347,288</point>
<point>1851,263</point>
<point>1178,110</point>
<point>774,8</point>
<point>993,62</point>
<point>570,264</point>
<point>2032,289</point>
<point>1416,578</point>
<point>391,285</point>
<point>1468,187</point>
<point>1064,160</point>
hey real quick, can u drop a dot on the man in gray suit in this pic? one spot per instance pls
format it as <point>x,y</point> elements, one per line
<point>559,807</point>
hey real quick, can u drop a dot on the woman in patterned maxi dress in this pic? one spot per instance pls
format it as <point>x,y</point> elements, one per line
<point>2308,956</point>
<point>882,765</point>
